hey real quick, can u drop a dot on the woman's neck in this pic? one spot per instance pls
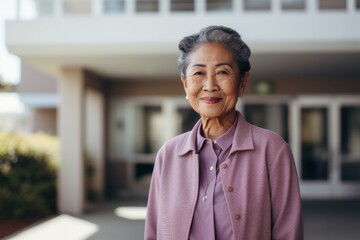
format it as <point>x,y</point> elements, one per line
<point>215,127</point>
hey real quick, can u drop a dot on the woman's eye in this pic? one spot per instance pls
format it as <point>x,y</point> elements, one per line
<point>198,73</point>
<point>222,73</point>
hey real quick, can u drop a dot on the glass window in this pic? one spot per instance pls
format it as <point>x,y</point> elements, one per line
<point>147,5</point>
<point>314,144</point>
<point>214,5</point>
<point>187,118</point>
<point>257,4</point>
<point>350,143</point>
<point>114,6</point>
<point>149,137</point>
<point>182,5</point>
<point>332,4</point>
<point>293,4</point>
<point>273,117</point>
<point>143,173</point>
<point>77,7</point>
<point>45,8</point>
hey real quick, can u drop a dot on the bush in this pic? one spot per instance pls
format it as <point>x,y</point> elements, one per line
<point>28,166</point>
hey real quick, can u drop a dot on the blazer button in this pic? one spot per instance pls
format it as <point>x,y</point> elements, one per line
<point>237,217</point>
<point>230,189</point>
<point>224,166</point>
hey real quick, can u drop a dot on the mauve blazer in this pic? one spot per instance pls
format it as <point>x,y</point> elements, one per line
<point>259,181</point>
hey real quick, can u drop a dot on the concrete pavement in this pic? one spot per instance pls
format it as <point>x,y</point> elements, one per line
<point>323,220</point>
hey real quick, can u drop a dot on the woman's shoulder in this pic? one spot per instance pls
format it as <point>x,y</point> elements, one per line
<point>266,136</point>
<point>177,143</point>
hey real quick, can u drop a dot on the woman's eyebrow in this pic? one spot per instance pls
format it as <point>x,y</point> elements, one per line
<point>198,65</point>
<point>217,65</point>
<point>222,64</point>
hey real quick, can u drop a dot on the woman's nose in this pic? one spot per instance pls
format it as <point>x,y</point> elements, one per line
<point>210,83</point>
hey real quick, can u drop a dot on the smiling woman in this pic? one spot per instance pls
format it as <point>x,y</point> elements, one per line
<point>226,178</point>
<point>212,87</point>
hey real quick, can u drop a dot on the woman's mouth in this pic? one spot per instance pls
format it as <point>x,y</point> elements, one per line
<point>211,100</point>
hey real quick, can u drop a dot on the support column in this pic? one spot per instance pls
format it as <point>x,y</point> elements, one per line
<point>200,7</point>
<point>18,7</point>
<point>59,8</point>
<point>97,7</point>
<point>312,6</point>
<point>95,139</point>
<point>351,6</point>
<point>70,123</point>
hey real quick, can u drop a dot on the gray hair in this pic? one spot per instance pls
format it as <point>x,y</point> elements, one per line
<point>215,34</point>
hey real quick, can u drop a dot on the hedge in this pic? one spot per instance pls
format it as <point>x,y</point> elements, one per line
<point>28,167</point>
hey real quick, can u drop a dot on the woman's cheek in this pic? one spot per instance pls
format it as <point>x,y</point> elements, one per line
<point>193,89</point>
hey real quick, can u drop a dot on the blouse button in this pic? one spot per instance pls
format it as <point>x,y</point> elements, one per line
<point>224,166</point>
<point>230,189</point>
<point>237,217</point>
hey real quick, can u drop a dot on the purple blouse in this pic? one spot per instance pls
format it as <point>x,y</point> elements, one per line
<point>211,218</point>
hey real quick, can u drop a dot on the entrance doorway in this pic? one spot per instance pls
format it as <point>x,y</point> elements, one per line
<point>325,138</point>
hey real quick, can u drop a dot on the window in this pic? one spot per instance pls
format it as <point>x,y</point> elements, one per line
<point>182,5</point>
<point>44,8</point>
<point>269,116</point>
<point>114,6</point>
<point>257,4</point>
<point>77,7</point>
<point>293,4</point>
<point>187,118</point>
<point>143,173</point>
<point>149,133</point>
<point>214,5</point>
<point>147,5</point>
<point>332,4</point>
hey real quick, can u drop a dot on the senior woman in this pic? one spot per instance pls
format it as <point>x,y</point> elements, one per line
<point>225,179</point>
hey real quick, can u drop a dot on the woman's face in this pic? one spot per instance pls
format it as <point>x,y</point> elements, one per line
<point>212,81</point>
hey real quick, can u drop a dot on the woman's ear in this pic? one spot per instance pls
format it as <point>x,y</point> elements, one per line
<point>244,83</point>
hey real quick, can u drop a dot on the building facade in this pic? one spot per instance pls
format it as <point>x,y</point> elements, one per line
<point>120,95</point>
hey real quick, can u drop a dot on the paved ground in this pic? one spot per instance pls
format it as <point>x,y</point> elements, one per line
<point>330,220</point>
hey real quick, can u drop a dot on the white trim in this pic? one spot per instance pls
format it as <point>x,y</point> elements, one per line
<point>40,100</point>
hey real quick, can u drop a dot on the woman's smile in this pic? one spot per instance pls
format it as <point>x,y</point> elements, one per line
<point>211,100</point>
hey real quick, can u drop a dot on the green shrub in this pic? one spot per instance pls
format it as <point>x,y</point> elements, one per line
<point>28,166</point>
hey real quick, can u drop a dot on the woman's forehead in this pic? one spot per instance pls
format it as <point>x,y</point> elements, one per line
<point>211,53</point>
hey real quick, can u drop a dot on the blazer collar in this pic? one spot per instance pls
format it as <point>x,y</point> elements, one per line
<point>189,143</point>
<point>243,137</point>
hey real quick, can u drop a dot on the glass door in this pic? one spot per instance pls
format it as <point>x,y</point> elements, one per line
<point>350,142</point>
<point>325,138</point>
<point>314,142</point>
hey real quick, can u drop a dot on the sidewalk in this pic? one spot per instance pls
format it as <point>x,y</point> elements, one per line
<point>323,220</point>
<point>332,220</point>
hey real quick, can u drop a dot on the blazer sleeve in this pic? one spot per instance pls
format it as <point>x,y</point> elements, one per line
<point>150,232</point>
<point>287,222</point>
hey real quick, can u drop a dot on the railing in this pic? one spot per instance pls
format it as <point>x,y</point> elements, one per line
<point>30,9</point>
